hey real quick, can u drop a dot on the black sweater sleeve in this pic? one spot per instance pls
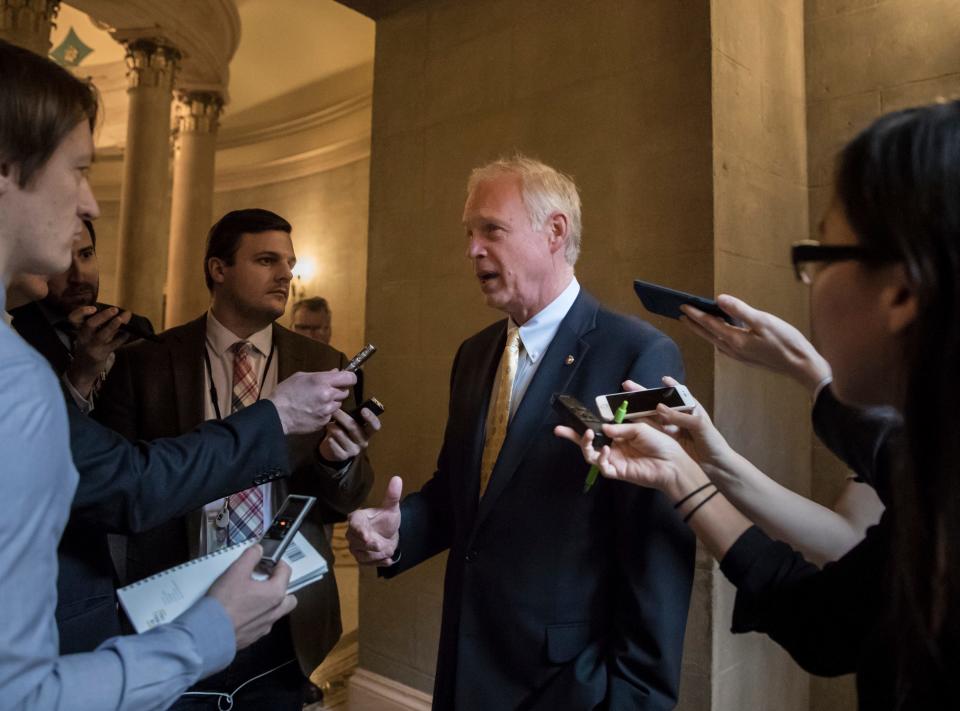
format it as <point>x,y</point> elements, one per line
<point>867,440</point>
<point>821,617</point>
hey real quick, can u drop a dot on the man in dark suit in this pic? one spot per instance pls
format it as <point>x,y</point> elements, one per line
<point>220,363</point>
<point>553,598</point>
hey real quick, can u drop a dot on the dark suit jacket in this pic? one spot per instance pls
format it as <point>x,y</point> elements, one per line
<point>127,487</point>
<point>157,390</point>
<point>33,326</point>
<point>553,599</point>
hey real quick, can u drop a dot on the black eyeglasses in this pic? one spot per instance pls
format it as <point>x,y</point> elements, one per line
<point>809,257</point>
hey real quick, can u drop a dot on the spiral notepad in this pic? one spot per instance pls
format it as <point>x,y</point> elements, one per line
<point>165,596</point>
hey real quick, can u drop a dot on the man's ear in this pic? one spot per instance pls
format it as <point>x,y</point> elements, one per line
<point>898,300</point>
<point>557,228</point>
<point>215,266</point>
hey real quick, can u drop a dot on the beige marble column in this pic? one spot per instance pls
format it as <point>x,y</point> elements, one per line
<point>195,144</point>
<point>27,23</point>
<point>144,205</point>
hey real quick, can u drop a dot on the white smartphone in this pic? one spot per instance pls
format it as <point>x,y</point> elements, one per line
<point>643,403</point>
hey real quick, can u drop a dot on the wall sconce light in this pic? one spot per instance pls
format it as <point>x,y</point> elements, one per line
<point>303,271</point>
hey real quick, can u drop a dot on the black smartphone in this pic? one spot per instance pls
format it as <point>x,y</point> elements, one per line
<point>284,527</point>
<point>578,416</point>
<point>667,302</point>
<point>134,328</point>
<point>372,404</point>
<point>355,362</point>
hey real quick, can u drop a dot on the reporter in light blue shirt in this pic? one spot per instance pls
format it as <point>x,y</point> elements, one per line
<point>46,148</point>
<point>146,671</point>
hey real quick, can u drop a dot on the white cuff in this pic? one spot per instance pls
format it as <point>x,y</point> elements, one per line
<point>85,404</point>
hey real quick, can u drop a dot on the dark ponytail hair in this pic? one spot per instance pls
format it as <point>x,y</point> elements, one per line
<point>899,185</point>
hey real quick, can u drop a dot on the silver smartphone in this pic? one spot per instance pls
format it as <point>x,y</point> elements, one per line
<point>643,403</point>
<point>284,527</point>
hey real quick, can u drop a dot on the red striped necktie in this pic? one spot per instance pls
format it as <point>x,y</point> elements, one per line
<point>246,507</point>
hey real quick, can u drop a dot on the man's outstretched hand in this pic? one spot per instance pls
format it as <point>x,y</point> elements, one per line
<point>373,534</point>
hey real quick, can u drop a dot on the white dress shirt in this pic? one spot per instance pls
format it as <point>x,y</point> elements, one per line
<point>535,338</point>
<point>220,339</point>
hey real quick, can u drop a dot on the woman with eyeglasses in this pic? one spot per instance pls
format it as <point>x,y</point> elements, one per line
<point>885,297</point>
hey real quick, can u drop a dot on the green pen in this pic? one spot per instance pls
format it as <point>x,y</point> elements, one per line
<point>595,470</point>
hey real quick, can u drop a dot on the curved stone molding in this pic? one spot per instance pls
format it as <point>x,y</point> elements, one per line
<point>268,131</point>
<point>206,32</point>
<point>327,139</point>
<point>27,23</point>
<point>151,63</point>
<point>301,165</point>
<point>198,111</point>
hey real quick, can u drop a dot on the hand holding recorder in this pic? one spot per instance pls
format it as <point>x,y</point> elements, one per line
<point>253,605</point>
<point>348,434</point>
<point>305,402</point>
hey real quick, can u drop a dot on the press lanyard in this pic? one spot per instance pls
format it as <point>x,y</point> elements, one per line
<point>214,397</point>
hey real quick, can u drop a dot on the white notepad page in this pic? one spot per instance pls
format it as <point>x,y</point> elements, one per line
<point>165,596</point>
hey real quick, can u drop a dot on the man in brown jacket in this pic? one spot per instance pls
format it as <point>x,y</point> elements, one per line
<point>221,362</point>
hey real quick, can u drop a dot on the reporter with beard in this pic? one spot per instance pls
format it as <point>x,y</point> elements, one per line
<point>65,328</point>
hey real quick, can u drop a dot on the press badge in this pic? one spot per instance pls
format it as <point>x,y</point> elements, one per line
<point>215,530</point>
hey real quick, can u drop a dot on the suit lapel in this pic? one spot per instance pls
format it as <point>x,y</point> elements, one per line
<point>187,365</point>
<point>552,376</point>
<point>290,359</point>
<point>475,401</point>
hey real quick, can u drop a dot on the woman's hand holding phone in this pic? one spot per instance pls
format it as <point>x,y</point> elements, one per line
<point>764,340</point>
<point>693,430</point>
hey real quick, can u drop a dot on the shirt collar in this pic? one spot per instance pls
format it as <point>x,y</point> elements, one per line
<point>220,338</point>
<point>537,333</point>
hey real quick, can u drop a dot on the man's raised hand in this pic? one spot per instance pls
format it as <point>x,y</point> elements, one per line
<point>374,534</point>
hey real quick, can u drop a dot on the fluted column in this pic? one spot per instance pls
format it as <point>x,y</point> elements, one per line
<point>27,23</point>
<point>198,117</point>
<point>144,206</point>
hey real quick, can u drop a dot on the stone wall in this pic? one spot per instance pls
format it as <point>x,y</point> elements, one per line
<point>760,208</point>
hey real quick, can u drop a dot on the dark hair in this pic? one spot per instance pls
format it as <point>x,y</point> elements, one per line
<point>93,233</point>
<point>224,237</point>
<point>314,303</point>
<point>899,185</point>
<point>40,103</point>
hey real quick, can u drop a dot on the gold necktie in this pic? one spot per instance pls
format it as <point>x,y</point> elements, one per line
<point>500,415</point>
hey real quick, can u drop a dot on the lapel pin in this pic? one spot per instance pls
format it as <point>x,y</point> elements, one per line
<point>570,360</point>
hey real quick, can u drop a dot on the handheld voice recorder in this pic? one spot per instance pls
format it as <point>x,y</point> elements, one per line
<point>355,362</point>
<point>284,527</point>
